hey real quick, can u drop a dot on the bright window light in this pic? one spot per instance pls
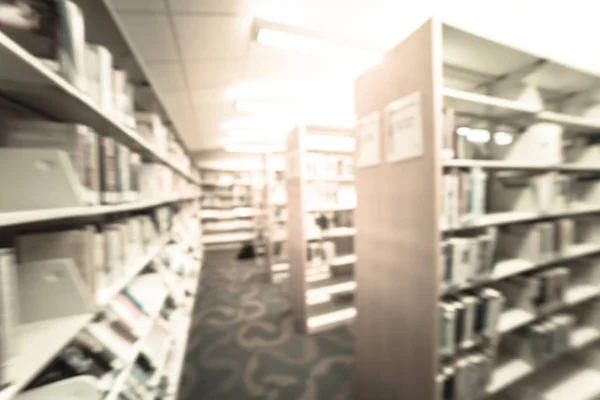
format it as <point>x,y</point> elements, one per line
<point>291,41</point>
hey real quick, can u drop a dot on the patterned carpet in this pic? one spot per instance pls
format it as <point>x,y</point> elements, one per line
<point>243,344</point>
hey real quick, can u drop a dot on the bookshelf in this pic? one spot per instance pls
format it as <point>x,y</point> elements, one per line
<point>99,213</point>
<point>259,206</point>
<point>320,204</point>
<point>227,214</point>
<point>277,214</point>
<point>476,177</point>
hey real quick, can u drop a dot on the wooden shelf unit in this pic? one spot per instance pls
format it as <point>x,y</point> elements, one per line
<point>401,191</point>
<point>322,309</point>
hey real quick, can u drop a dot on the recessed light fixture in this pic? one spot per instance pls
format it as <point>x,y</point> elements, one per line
<point>292,41</point>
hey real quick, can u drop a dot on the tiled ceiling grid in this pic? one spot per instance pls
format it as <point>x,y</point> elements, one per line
<point>201,55</point>
<point>193,51</point>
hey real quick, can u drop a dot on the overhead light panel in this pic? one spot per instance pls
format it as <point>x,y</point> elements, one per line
<point>255,147</point>
<point>305,44</point>
<point>300,114</point>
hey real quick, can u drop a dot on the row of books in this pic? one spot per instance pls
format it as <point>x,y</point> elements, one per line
<point>540,241</point>
<point>107,170</point>
<point>221,203</point>
<point>237,212</point>
<point>542,290</point>
<point>463,197</point>
<point>467,259</point>
<point>322,165</point>
<point>469,320</point>
<point>225,178</point>
<point>55,33</point>
<point>465,379</point>
<point>329,194</point>
<point>103,254</point>
<point>106,348</point>
<point>544,340</point>
<point>228,225</point>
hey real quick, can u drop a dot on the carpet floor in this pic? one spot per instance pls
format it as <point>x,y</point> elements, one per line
<point>243,344</point>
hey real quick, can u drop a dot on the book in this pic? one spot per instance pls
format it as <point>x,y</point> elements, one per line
<point>99,259</point>
<point>448,134</point>
<point>123,174</point>
<point>450,201</point>
<point>565,234</point>
<point>470,304</point>
<point>35,26</point>
<point>462,267</point>
<point>9,314</point>
<point>99,63</point>
<point>108,162</point>
<point>76,244</point>
<point>72,49</point>
<point>78,141</point>
<point>447,329</point>
<point>119,90</point>
<point>492,304</point>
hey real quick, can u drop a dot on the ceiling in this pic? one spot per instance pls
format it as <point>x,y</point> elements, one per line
<point>202,57</point>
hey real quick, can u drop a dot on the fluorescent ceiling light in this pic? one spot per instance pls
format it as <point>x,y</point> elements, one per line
<point>256,134</point>
<point>254,148</point>
<point>291,41</point>
<point>299,114</point>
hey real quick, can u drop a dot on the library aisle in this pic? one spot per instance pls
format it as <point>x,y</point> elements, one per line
<point>243,344</point>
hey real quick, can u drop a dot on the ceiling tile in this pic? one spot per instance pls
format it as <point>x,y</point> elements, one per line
<point>209,6</point>
<point>139,5</point>
<point>151,35</point>
<point>178,104</point>
<point>209,37</point>
<point>218,96</point>
<point>207,74</point>
<point>167,77</point>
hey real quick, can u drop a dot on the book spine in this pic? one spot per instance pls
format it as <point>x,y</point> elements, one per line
<point>9,313</point>
<point>108,155</point>
<point>93,164</point>
<point>99,255</point>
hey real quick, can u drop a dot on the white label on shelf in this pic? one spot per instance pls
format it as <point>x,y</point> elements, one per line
<point>367,136</point>
<point>293,163</point>
<point>404,128</point>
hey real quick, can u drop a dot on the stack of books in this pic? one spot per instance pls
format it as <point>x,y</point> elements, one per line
<point>541,241</point>
<point>467,378</point>
<point>469,320</point>
<point>464,197</point>
<point>544,340</point>
<point>467,259</point>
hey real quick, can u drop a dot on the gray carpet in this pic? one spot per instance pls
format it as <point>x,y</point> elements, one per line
<point>243,344</point>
